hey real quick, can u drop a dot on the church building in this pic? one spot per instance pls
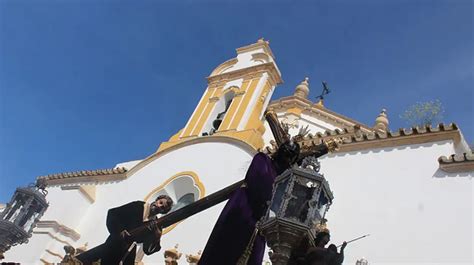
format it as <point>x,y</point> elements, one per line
<point>410,189</point>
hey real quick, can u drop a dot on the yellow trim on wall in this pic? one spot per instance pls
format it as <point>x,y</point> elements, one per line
<point>243,106</point>
<point>296,110</point>
<point>255,121</point>
<point>197,183</point>
<point>197,113</point>
<point>209,107</point>
<point>211,102</point>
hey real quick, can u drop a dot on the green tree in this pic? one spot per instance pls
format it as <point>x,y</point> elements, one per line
<point>423,113</point>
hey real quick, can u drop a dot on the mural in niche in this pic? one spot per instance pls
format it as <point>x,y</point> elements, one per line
<point>184,188</point>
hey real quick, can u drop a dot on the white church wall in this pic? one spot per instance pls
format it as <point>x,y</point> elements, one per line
<point>216,164</point>
<point>316,125</point>
<point>414,213</point>
<point>32,252</point>
<point>67,205</point>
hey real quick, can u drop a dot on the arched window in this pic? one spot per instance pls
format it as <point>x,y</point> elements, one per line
<point>186,199</point>
<point>184,188</point>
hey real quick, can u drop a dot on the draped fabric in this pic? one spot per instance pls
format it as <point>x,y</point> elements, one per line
<point>236,223</point>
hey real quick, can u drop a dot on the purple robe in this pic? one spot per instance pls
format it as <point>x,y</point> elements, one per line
<point>236,223</point>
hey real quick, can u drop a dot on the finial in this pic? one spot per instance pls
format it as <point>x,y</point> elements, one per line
<point>302,90</point>
<point>172,255</point>
<point>320,103</point>
<point>262,40</point>
<point>194,259</point>
<point>381,122</point>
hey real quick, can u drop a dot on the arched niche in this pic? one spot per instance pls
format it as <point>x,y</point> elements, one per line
<point>184,188</point>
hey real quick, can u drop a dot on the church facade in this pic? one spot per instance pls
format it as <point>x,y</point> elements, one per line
<point>411,189</point>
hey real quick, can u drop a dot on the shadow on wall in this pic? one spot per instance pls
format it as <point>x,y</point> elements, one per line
<point>442,174</point>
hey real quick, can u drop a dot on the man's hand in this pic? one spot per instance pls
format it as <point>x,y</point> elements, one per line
<point>344,244</point>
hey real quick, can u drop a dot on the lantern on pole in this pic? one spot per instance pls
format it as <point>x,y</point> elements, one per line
<point>21,215</point>
<point>301,198</point>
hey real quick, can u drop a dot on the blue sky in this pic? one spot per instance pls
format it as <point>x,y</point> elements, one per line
<point>88,84</point>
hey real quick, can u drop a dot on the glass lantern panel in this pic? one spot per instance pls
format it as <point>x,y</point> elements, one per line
<point>302,192</point>
<point>278,198</point>
<point>33,207</point>
<point>323,204</point>
<point>17,204</point>
<point>29,224</point>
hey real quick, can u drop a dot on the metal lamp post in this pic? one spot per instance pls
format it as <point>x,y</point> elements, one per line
<point>301,198</point>
<point>21,215</point>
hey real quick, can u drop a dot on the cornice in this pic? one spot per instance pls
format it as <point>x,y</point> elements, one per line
<point>259,44</point>
<point>311,109</point>
<point>59,228</point>
<point>88,191</point>
<point>52,253</point>
<point>224,66</point>
<point>46,262</point>
<point>101,175</point>
<point>457,163</point>
<point>53,237</point>
<point>253,70</point>
<point>356,140</point>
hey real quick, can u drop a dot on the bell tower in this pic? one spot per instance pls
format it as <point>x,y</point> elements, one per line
<point>237,94</point>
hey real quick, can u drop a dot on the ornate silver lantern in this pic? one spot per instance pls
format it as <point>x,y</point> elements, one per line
<point>301,198</point>
<point>21,215</point>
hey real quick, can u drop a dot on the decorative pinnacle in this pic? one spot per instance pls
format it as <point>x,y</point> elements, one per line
<point>302,90</point>
<point>262,40</point>
<point>381,122</point>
